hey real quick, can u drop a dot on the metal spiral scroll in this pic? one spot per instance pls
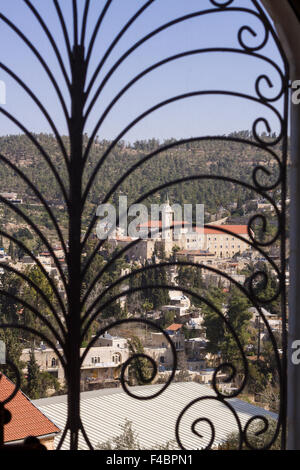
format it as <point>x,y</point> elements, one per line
<point>72,319</point>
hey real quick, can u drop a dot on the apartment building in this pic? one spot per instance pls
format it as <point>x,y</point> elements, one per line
<point>100,366</point>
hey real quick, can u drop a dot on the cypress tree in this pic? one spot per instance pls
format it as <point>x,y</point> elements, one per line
<point>11,250</point>
<point>140,369</point>
<point>33,377</point>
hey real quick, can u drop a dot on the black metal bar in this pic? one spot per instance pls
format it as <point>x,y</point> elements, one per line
<point>159,30</point>
<point>84,22</point>
<point>42,151</point>
<point>111,47</point>
<point>74,254</point>
<point>51,39</point>
<point>188,291</point>
<point>38,232</point>
<point>167,147</point>
<point>42,109</point>
<point>75,22</point>
<point>186,179</point>
<point>166,103</point>
<point>64,28</point>
<point>39,264</point>
<point>173,58</point>
<point>37,289</point>
<point>96,30</point>
<point>38,334</point>
<point>41,60</point>
<point>39,196</point>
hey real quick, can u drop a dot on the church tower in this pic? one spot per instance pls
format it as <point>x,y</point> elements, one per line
<point>167,221</point>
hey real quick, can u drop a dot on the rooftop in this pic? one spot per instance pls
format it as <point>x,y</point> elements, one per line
<point>103,411</point>
<point>195,252</point>
<point>27,419</point>
<point>174,327</point>
<point>235,229</point>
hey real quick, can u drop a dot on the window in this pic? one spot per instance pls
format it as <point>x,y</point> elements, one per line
<point>95,360</point>
<point>116,358</point>
<point>54,362</point>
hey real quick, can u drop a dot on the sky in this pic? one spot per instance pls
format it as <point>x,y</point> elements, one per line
<point>202,115</point>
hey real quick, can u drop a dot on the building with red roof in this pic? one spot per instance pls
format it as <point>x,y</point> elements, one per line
<point>174,327</point>
<point>222,241</point>
<point>26,418</point>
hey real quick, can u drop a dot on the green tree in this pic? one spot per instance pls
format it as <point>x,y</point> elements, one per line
<point>156,276</point>
<point>9,315</point>
<point>167,319</point>
<point>239,318</point>
<point>11,250</point>
<point>140,369</point>
<point>14,348</point>
<point>212,322</point>
<point>128,440</point>
<point>33,388</point>
<point>191,277</point>
<point>38,382</point>
<point>147,306</point>
<point>34,299</point>
<point>256,437</point>
<point>9,308</point>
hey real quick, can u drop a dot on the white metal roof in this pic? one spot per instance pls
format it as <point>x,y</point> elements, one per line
<point>103,411</point>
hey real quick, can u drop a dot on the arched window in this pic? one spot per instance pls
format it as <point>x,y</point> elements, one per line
<point>54,362</point>
<point>116,358</point>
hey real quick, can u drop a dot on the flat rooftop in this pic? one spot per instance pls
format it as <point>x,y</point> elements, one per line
<point>104,411</point>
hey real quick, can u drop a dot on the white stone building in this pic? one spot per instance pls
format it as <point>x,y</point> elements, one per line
<point>170,233</point>
<point>100,366</point>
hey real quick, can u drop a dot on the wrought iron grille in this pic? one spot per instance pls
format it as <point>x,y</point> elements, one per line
<point>72,318</point>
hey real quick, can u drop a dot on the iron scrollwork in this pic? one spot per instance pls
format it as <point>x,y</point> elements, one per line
<point>75,316</point>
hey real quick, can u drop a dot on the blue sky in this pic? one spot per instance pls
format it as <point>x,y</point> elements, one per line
<point>192,117</point>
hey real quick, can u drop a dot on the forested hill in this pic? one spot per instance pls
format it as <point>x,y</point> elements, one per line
<point>225,158</point>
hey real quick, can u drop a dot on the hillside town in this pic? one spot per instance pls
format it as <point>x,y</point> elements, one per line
<point>172,305</point>
<point>224,255</point>
<point>149,254</point>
